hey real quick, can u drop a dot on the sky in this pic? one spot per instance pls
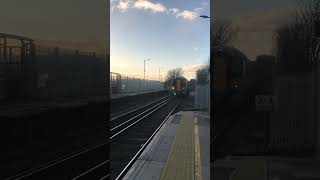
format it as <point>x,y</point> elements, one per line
<point>81,24</point>
<point>170,33</point>
<point>256,21</point>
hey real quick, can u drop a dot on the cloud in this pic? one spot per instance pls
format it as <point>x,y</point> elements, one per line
<point>195,49</point>
<point>186,14</point>
<point>198,9</point>
<point>147,5</point>
<point>189,71</point>
<point>192,67</point>
<point>174,10</point>
<point>124,5</point>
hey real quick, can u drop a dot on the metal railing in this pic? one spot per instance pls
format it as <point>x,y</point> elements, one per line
<point>293,120</point>
<point>42,50</point>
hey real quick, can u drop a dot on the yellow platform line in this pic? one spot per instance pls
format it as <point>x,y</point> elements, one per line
<point>180,162</point>
<point>197,156</point>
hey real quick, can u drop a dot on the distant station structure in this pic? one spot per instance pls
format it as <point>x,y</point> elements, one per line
<point>115,83</point>
<point>124,84</point>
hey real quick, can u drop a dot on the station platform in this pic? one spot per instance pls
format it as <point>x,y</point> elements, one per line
<point>266,167</point>
<point>16,109</point>
<point>180,150</point>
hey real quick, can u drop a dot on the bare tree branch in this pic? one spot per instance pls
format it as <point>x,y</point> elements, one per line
<point>298,43</point>
<point>172,74</point>
<point>222,33</point>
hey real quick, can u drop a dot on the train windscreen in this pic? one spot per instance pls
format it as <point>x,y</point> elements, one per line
<point>178,85</point>
<point>237,68</point>
<point>219,79</point>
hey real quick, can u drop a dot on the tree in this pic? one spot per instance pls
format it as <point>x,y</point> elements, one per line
<point>222,33</point>
<point>202,75</point>
<point>172,74</point>
<point>297,43</point>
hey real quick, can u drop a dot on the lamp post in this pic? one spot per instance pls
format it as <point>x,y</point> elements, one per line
<point>144,71</point>
<point>209,99</point>
<point>204,16</point>
<point>159,74</point>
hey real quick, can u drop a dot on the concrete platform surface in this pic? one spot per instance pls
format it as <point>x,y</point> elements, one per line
<point>266,167</point>
<point>15,109</point>
<point>180,150</point>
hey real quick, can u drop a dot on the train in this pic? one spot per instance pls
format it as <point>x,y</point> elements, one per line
<point>230,80</point>
<point>179,86</point>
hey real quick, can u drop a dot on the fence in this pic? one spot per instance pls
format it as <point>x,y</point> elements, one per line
<point>41,50</point>
<point>115,83</point>
<point>13,48</point>
<point>123,84</point>
<point>293,121</point>
<point>202,96</point>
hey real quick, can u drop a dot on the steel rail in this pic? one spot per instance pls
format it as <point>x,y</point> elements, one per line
<point>161,104</point>
<point>131,119</point>
<point>128,166</point>
<point>79,153</point>
<point>54,162</point>
<point>133,110</point>
<point>91,169</point>
<point>124,129</point>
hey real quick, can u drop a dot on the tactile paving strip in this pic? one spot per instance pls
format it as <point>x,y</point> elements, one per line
<point>181,159</point>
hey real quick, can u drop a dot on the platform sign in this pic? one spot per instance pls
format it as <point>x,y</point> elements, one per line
<point>264,102</point>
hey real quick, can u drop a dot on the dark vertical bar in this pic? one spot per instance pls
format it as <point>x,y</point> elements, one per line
<point>10,54</point>
<point>5,48</point>
<point>316,108</point>
<point>22,51</point>
<point>1,55</point>
<point>267,131</point>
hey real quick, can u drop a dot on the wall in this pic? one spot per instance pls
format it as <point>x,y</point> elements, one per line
<point>50,77</point>
<point>136,85</point>
<point>14,80</point>
<point>70,76</point>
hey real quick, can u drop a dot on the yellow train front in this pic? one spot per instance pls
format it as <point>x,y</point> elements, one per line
<point>179,86</point>
<point>229,78</point>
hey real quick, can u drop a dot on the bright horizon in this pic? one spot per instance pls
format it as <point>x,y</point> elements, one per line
<point>170,33</point>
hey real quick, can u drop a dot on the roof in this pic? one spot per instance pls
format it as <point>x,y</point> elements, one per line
<point>180,77</point>
<point>3,35</point>
<point>229,51</point>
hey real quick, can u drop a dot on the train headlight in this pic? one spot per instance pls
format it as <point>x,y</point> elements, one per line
<point>236,84</point>
<point>172,87</point>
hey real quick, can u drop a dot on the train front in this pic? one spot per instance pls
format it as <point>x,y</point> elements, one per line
<point>229,77</point>
<point>179,86</point>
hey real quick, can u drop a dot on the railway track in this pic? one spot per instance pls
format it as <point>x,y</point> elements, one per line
<point>125,149</point>
<point>93,162</point>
